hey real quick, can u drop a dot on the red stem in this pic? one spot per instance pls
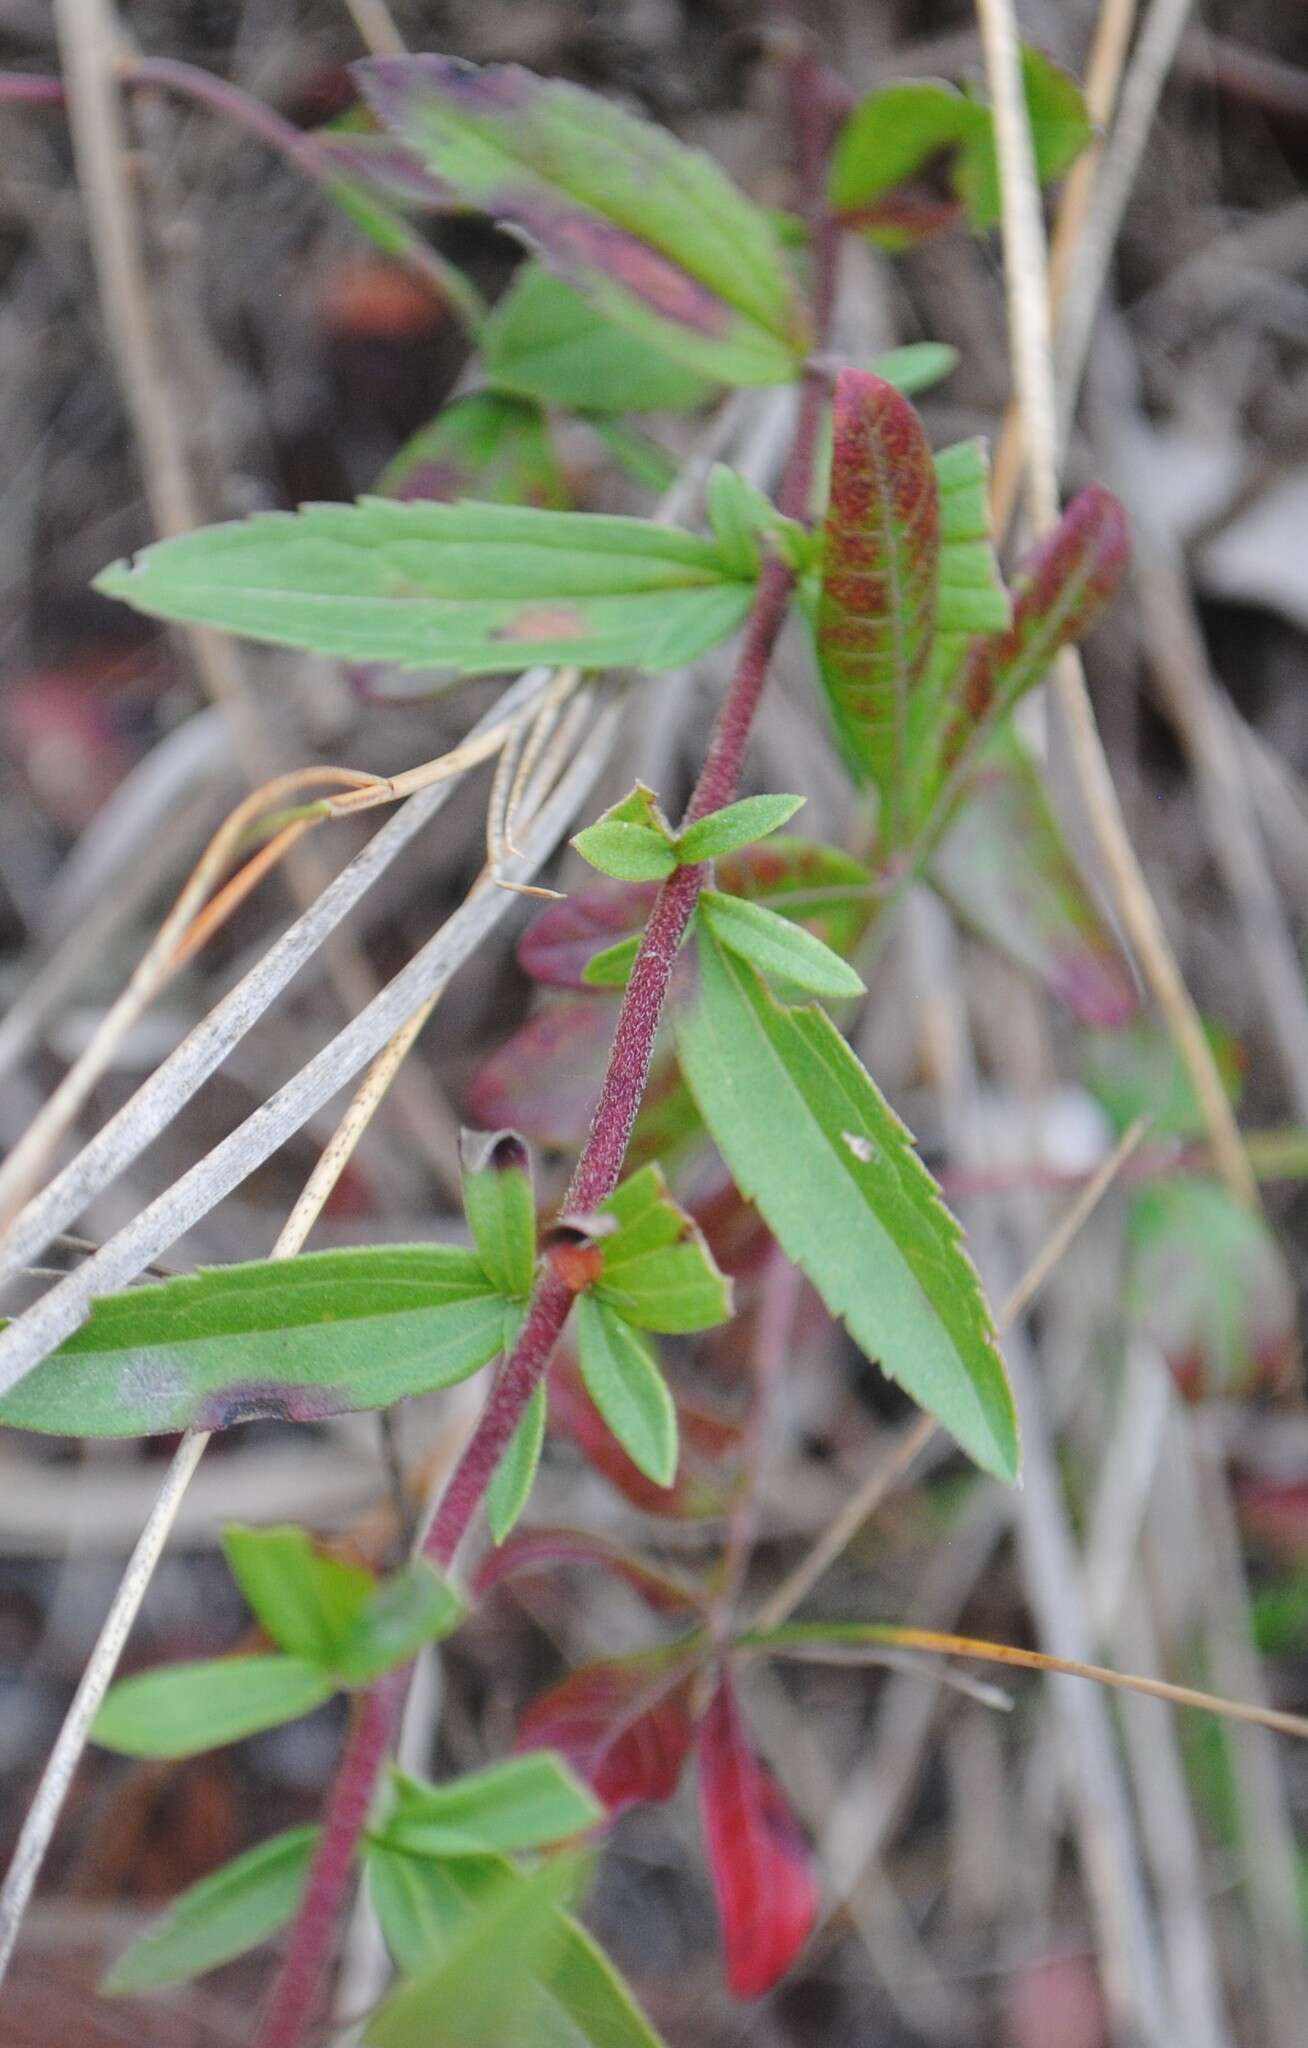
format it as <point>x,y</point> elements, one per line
<point>600,1165</point>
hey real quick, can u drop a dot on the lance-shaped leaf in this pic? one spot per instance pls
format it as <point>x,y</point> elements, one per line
<point>515,1475</point>
<point>776,946</point>
<point>657,1271</point>
<point>500,1205</point>
<point>248,1901</point>
<point>624,1381</point>
<point>474,589</point>
<point>1005,867</point>
<point>817,886</point>
<point>183,1709</point>
<point>1207,1283</point>
<point>736,825</point>
<point>810,1140</point>
<point>654,234</point>
<point>546,341</point>
<point>411,1607</point>
<point>575,1996</point>
<point>759,1861</point>
<point>291,1339</point>
<point>304,1602</point>
<point>536,1550</point>
<point>623,1726</point>
<point>632,841</point>
<point>1058,593</point>
<point>573,1410</point>
<point>525,1802</point>
<point>876,611</point>
<point>486,445</point>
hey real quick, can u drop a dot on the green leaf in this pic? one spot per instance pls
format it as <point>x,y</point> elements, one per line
<point>515,1475</point>
<point>222,1916</point>
<point>544,340</point>
<point>526,1802</point>
<point>414,1606</point>
<point>777,946</point>
<point>183,1709</point>
<point>1006,868</point>
<point>577,2000</point>
<point>632,841</point>
<point>736,825</point>
<point>654,234</point>
<point>972,597</point>
<point>477,589</point>
<point>472,1997</point>
<point>1207,1284</point>
<point>612,968</point>
<point>501,1207</point>
<point>876,609</point>
<point>918,366</point>
<point>1060,130</point>
<point>624,1381</point>
<point>810,1140</point>
<point>1139,1072</point>
<point>485,445</point>
<point>745,522</point>
<point>305,1602</point>
<point>1059,591</point>
<point>890,135</point>
<point>295,1339</point>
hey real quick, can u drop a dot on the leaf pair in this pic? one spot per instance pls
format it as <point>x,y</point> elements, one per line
<point>335,1626</point>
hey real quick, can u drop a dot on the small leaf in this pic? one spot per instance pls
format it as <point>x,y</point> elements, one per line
<point>305,1602</point>
<point>525,1802</point>
<point>1060,130</point>
<point>624,1726</point>
<point>501,1208</point>
<point>657,1271</point>
<point>892,133</point>
<point>1006,868</point>
<point>577,2000</point>
<point>1058,593</point>
<point>1137,1071</point>
<point>776,946</point>
<point>515,1475</point>
<point>758,1858</point>
<point>654,234</point>
<point>810,1140</point>
<point>468,588</point>
<point>545,341</point>
<point>183,1709</point>
<point>612,968</point>
<point>468,1998</point>
<point>325,1334</point>
<point>818,886</point>
<point>414,1606</point>
<point>744,522</point>
<point>623,1379</point>
<point>486,446</point>
<point>632,841</point>
<point>918,366</point>
<point>572,1410</point>
<point>533,1550</point>
<point>222,1916</point>
<point>736,825</point>
<point>876,610</point>
<point>1207,1284</point>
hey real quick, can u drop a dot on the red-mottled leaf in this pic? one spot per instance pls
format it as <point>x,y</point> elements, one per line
<point>1005,867</point>
<point>758,1858</point>
<point>1058,593</point>
<point>572,1409</point>
<point>624,1726</point>
<point>533,1550</point>
<point>876,612</point>
<point>817,886</point>
<point>545,1079</point>
<point>654,234</point>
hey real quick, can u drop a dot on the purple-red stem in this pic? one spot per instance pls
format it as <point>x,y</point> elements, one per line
<point>600,1165</point>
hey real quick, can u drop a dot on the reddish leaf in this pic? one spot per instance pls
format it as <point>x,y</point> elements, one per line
<point>532,1550</point>
<point>758,1857</point>
<point>1058,593</point>
<point>544,1081</point>
<point>876,614</point>
<point>1274,1512</point>
<point>572,1409</point>
<point>1006,868</point>
<point>818,886</point>
<point>624,1726</point>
